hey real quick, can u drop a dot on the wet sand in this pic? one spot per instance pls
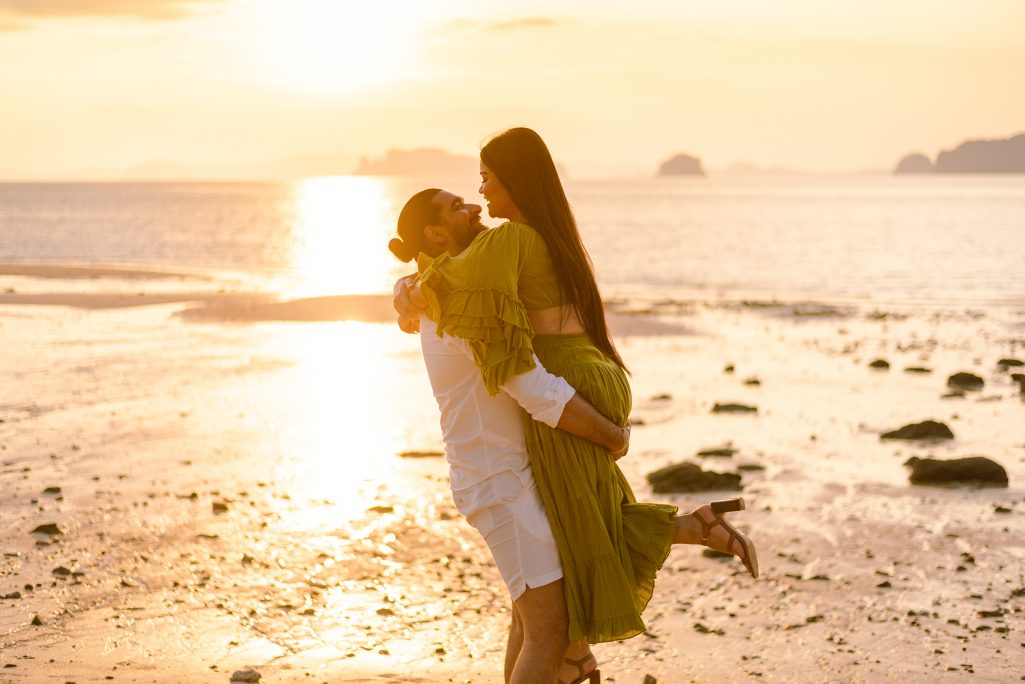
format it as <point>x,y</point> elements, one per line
<point>233,496</point>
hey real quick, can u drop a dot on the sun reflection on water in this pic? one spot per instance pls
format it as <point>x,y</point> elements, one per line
<point>340,236</point>
<point>352,402</point>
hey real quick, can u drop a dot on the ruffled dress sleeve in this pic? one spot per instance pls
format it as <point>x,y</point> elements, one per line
<point>474,296</point>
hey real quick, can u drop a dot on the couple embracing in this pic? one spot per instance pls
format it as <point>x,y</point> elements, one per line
<point>534,402</point>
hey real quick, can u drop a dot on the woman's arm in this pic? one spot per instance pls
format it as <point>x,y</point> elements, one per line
<point>408,303</point>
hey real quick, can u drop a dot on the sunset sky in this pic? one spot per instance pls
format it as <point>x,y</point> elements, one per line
<point>287,88</point>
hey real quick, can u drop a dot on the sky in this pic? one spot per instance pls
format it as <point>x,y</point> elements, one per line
<point>240,89</point>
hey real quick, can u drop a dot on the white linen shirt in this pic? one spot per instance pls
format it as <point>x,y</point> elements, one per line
<point>483,433</point>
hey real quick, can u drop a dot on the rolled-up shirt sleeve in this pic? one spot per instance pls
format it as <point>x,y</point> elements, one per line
<point>543,395</point>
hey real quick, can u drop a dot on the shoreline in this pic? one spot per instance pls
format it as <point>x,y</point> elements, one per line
<point>70,270</point>
<point>654,299</point>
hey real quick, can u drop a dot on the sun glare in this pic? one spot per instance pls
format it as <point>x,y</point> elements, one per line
<point>334,45</point>
<point>340,236</point>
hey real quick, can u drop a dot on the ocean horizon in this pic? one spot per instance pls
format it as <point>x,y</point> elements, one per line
<point>951,239</point>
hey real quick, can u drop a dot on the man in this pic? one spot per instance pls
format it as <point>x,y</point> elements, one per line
<point>492,484</point>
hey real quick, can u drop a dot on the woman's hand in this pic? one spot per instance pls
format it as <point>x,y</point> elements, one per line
<point>621,451</point>
<point>409,303</point>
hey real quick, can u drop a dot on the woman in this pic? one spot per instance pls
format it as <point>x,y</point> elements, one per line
<point>527,287</point>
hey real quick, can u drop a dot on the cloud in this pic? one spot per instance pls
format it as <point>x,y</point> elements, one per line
<point>532,22</point>
<point>511,24</point>
<point>59,9</point>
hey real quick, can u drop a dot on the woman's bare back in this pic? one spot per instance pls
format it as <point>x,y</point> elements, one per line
<point>555,320</point>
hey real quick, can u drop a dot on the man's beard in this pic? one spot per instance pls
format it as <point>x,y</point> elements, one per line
<point>463,235</point>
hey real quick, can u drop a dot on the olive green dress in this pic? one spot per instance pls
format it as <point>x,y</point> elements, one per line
<point>611,546</point>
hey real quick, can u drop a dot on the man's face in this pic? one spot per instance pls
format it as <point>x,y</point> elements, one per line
<point>461,220</point>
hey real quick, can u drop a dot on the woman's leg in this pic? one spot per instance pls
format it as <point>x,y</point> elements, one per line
<point>688,529</point>
<point>705,527</point>
<point>578,661</point>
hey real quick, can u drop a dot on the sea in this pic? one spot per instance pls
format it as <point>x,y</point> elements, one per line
<point>929,240</point>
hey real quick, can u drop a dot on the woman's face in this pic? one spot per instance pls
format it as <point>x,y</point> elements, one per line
<point>500,205</point>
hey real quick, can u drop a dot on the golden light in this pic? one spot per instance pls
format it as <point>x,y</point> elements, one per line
<point>355,398</point>
<point>334,45</point>
<point>340,237</point>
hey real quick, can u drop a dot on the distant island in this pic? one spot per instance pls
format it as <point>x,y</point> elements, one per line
<point>681,165</point>
<point>423,161</point>
<point>973,156</point>
<point>915,163</point>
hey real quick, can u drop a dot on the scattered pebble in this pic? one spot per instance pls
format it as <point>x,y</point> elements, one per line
<point>422,454</point>
<point>725,452</point>
<point>733,408</point>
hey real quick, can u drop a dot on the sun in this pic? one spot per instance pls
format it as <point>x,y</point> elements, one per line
<point>335,45</point>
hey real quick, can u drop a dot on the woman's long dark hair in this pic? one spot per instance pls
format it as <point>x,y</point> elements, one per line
<point>522,163</point>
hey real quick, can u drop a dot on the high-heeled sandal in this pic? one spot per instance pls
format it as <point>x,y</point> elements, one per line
<point>747,556</point>
<point>592,676</point>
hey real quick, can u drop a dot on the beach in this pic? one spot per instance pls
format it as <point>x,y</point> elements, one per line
<point>235,481</point>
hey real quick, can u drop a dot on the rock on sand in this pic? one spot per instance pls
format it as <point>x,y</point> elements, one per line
<point>929,429</point>
<point>971,470</point>
<point>733,408</point>
<point>965,381</point>
<point>689,477</point>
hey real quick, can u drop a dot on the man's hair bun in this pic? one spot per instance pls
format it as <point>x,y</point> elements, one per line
<point>400,249</point>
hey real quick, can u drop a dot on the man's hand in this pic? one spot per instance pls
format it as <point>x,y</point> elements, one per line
<point>621,452</point>
<point>409,303</point>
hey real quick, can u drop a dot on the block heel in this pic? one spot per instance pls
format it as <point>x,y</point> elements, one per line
<point>746,552</point>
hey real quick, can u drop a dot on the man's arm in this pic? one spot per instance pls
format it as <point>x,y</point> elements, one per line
<point>583,420</point>
<point>551,400</point>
